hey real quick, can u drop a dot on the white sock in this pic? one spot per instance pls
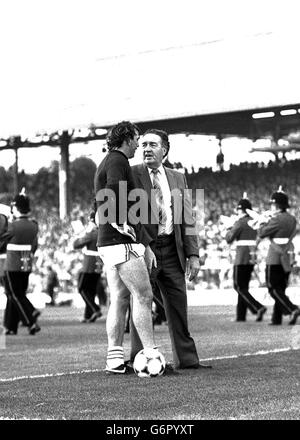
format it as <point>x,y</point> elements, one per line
<point>115,356</point>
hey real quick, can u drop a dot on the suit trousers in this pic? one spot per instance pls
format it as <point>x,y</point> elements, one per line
<point>170,278</point>
<point>277,282</point>
<point>241,279</point>
<point>18,307</point>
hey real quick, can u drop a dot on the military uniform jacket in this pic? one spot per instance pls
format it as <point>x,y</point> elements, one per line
<point>88,244</point>
<point>280,229</point>
<point>3,228</point>
<point>245,238</point>
<point>20,241</point>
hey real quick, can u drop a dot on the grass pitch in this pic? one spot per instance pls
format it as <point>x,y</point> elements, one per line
<point>58,373</point>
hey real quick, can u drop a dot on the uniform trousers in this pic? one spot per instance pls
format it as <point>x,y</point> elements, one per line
<point>170,278</point>
<point>277,282</point>
<point>241,279</point>
<point>18,307</point>
<point>88,287</point>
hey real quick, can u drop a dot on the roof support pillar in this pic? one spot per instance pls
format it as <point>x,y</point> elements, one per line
<point>64,196</point>
<point>16,172</point>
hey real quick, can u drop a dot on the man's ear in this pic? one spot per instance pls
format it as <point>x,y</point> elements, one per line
<point>165,151</point>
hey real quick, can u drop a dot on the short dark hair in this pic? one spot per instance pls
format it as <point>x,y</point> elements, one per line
<point>163,135</point>
<point>123,131</point>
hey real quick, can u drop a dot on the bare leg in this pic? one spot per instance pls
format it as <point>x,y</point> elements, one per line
<point>116,315</point>
<point>135,276</point>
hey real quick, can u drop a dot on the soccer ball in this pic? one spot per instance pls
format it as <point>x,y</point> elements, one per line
<point>149,362</point>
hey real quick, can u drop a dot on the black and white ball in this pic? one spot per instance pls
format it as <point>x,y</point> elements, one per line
<point>149,362</point>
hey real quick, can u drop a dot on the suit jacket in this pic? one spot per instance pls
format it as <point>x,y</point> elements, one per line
<point>245,238</point>
<point>183,221</point>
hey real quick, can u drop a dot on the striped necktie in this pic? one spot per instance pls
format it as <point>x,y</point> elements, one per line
<point>162,216</point>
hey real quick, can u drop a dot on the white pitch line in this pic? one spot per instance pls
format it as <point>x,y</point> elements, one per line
<point>257,353</point>
<point>42,376</point>
<point>97,370</point>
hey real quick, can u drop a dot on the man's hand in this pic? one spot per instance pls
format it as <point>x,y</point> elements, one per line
<point>193,267</point>
<point>150,258</point>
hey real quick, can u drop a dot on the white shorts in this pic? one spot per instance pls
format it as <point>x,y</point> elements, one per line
<point>120,253</point>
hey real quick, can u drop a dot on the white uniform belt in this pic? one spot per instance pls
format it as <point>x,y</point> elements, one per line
<point>2,256</point>
<point>90,253</point>
<point>281,240</point>
<point>246,243</point>
<point>18,247</point>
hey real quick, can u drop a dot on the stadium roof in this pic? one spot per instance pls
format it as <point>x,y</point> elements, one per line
<point>212,87</point>
<point>207,78</point>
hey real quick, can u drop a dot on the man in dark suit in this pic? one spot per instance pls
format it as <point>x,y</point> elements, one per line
<point>280,229</point>
<point>169,224</point>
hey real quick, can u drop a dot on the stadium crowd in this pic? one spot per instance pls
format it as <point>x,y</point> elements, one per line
<point>222,190</point>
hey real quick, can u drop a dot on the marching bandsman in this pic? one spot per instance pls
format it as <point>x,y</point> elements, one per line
<point>89,281</point>
<point>280,229</point>
<point>4,215</point>
<point>20,241</point>
<point>245,239</point>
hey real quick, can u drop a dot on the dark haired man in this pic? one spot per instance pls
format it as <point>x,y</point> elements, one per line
<point>20,242</point>
<point>280,229</point>
<point>122,246</point>
<point>175,249</point>
<point>244,237</point>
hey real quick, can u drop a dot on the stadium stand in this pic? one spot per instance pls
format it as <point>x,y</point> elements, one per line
<point>221,191</point>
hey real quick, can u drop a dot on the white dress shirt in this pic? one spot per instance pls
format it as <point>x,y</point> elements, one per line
<point>164,184</point>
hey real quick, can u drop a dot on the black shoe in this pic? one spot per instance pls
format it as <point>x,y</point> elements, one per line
<point>274,323</point>
<point>35,328</point>
<point>169,369</point>
<point>196,366</point>
<point>260,314</point>
<point>294,316</point>
<point>94,316</point>
<point>121,369</point>
<point>129,367</point>
<point>36,314</point>
<point>10,332</point>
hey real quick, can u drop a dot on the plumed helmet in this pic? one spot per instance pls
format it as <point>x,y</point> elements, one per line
<point>280,198</point>
<point>21,202</point>
<point>244,203</point>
